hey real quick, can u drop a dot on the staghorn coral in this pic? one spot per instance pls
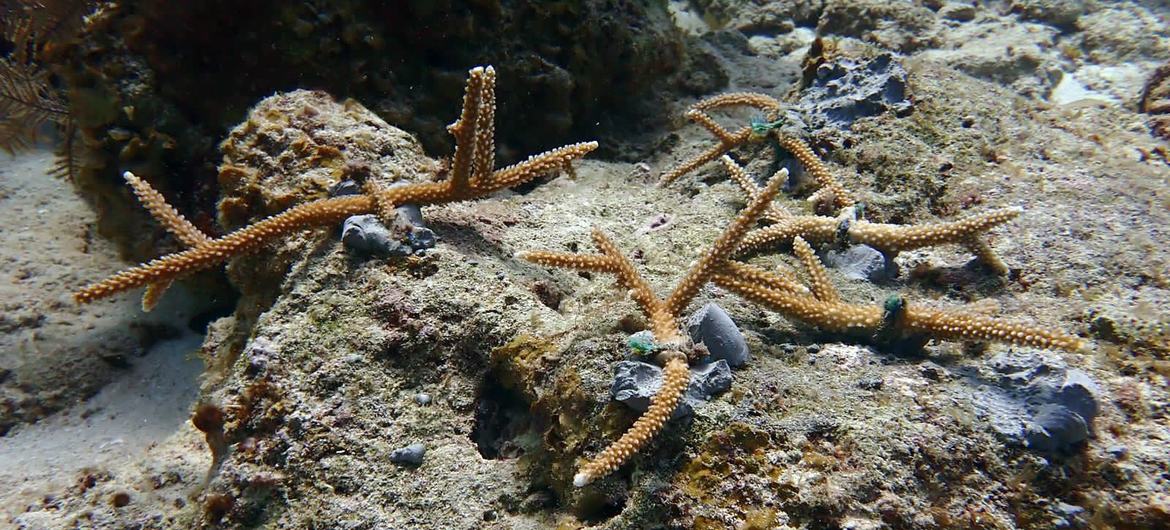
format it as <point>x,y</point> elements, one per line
<point>890,239</point>
<point>894,321</point>
<point>471,178</point>
<point>663,315</point>
<point>757,130</point>
<point>727,140</point>
<point>172,220</point>
<point>823,307</point>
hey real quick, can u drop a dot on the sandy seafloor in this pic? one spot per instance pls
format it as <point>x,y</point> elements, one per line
<point>1019,108</point>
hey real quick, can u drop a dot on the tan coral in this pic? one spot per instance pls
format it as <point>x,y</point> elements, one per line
<point>471,178</point>
<point>888,238</point>
<point>172,220</point>
<point>820,173</point>
<point>663,315</point>
<point>675,376</point>
<point>905,320</point>
<point>727,140</point>
<point>830,188</point>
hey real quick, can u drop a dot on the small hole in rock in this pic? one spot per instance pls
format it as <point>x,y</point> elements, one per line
<point>597,507</point>
<point>503,423</point>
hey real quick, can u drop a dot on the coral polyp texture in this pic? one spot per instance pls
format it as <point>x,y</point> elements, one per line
<point>471,177</point>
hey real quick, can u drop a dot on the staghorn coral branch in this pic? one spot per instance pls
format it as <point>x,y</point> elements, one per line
<point>470,179</point>
<point>547,162</point>
<point>612,261</point>
<point>888,238</point>
<point>172,220</point>
<point>727,140</point>
<point>985,254</point>
<point>762,102</point>
<point>484,135</point>
<point>675,377</point>
<point>464,129</point>
<point>953,324</point>
<point>708,123</point>
<point>896,238</point>
<point>774,214</point>
<point>736,139</point>
<point>724,246</point>
<point>153,294</point>
<point>758,276</point>
<point>822,287</point>
<point>569,260</point>
<point>164,213</point>
<point>829,316</point>
<point>245,240</point>
<point>813,166</point>
<point>661,320</point>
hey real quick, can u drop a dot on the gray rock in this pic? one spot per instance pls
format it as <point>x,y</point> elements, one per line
<point>365,235</point>
<point>345,187</point>
<point>871,383</point>
<point>635,382</point>
<point>422,398</point>
<point>409,455</point>
<point>259,354</point>
<point>1079,393</point>
<point>1055,428</point>
<point>712,327</point>
<point>862,262</point>
<point>1037,401</point>
<point>847,89</point>
<point>933,371</point>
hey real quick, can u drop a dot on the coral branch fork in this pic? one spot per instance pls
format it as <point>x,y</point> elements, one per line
<point>472,177</point>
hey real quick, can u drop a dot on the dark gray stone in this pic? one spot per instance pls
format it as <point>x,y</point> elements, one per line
<point>861,262</point>
<point>871,383</point>
<point>847,89</point>
<point>1079,393</point>
<point>635,382</point>
<point>1055,428</point>
<point>712,327</point>
<point>1037,401</point>
<point>409,455</point>
<point>345,187</point>
<point>366,235</point>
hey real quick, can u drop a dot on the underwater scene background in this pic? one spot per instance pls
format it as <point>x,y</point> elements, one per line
<point>584,264</point>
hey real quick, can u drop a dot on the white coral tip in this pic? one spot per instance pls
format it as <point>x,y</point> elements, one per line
<point>580,480</point>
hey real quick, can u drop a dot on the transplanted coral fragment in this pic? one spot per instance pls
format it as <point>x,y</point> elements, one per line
<point>472,177</point>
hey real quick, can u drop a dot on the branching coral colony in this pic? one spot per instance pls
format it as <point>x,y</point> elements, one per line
<point>471,177</point>
<point>819,304</point>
